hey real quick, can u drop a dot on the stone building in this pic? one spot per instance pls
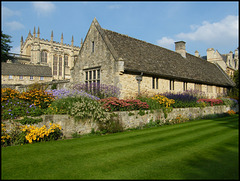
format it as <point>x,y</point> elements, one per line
<point>136,66</point>
<point>228,62</point>
<point>60,57</point>
<point>17,74</point>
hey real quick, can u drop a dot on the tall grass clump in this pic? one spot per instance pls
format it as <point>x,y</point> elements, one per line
<point>99,90</point>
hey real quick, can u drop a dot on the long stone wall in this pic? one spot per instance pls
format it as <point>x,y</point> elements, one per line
<point>127,119</point>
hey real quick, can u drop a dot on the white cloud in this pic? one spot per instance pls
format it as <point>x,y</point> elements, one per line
<point>43,8</point>
<point>224,30</point>
<point>166,42</point>
<point>14,25</point>
<point>6,12</point>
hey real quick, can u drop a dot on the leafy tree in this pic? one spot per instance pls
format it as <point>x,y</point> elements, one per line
<point>5,47</point>
<point>234,92</point>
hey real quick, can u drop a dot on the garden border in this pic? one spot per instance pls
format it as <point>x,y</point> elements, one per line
<point>128,119</point>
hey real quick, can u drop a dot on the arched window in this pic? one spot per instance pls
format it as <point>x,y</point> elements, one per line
<point>55,65</point>
<point>66,60</point>
<point>44,56</point>
<point>28,50</point>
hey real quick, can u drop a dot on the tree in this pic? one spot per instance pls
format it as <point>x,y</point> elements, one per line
<point>5,47</point>
<point>234,92</point>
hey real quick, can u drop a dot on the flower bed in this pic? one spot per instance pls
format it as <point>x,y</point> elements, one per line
<point>82,105</point>
<point>163,100</point>
<point>212,102</point>
<point>100,90</point>
<point>115,104</point>
<point>63,93</point>
<point>29,134</point>
<point>30,103</point>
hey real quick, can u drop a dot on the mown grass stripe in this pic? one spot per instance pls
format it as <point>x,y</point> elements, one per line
<point>107,159</point>
<point>164,156</point>
<point>147,156</point>
<point>130,142</point>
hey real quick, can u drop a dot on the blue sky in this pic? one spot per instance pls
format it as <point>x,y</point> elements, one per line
<point>201,25</point>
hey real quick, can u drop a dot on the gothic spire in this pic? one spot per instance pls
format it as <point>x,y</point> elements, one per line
<point>38,33</point>
<point>52,36</point>
<point>21,40</point>
<point>62,38</point>
<point>72,40</point>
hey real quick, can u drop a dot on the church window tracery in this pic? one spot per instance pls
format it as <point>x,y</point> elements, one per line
<point>66,60</point>
<point>54,65</point>
<point>60,66</point>
<point>44,56</point>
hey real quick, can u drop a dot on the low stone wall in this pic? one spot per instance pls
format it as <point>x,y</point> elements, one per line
<point>127,119</point>
<point>133,119</point>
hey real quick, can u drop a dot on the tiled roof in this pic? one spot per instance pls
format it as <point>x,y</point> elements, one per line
<point>24,69</point>
<point>140,56</point>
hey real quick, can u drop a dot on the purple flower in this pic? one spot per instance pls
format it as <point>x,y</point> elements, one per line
<point>9,110</point>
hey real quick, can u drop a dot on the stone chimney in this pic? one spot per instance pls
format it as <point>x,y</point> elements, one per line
<point>210,54</point>
<point>180,48</point>
<point>236,54</point>
<point>197,54</point>
<point>230,58</point>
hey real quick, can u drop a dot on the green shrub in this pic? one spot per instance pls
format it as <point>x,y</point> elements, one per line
<point>85,108</point>
<point>115,104</point>
<point>54,86</point>
<point>61,106</point>
<point>152,103</point>
<point>27,120</point>
<point>37,86</point>
<point>229,101</point>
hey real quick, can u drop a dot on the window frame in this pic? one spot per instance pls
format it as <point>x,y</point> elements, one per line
<point>44,56</point>
<point>55,62</point>
<point>185,86</point>
<point>93,75</point>
<point>171,84</point>
<point>66,60</point>
<point>155,82</point>
<point>93,46</point>
<point>60,65</point>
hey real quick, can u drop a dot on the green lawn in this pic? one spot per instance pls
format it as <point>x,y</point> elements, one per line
<point>202,149</point>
